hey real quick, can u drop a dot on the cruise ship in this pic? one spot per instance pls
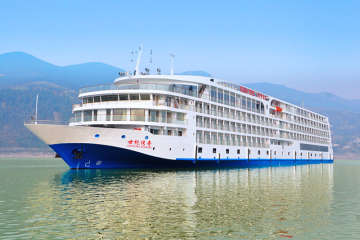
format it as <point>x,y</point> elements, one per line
<point>145,120</point>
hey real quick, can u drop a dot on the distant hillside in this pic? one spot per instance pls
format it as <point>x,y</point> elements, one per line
<point>19,68</point>
<point>315,101</point>
<point>18,104</point>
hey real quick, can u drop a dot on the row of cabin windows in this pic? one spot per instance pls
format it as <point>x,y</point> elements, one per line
<point>230,139</point>
<point>168,132</point>
<point>259,152</point>
<point>120,114</point>
<point>310,124</point>
<point>232,99</point>
<point>115,97</point>
<point>212,123</point>
<point>219,111</point>
<point>236,100</point>
<point>298,111</point>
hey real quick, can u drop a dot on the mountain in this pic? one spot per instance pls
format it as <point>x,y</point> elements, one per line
<point>315,101</point>
<point>19,68</point>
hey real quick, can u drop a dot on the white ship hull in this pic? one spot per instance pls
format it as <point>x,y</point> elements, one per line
<point>95,147</point>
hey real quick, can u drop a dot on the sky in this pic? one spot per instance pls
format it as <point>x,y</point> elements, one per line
<point>308,45</point>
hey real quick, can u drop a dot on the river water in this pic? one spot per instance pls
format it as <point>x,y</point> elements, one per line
<point>43,199</point>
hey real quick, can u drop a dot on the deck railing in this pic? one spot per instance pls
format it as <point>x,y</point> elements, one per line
<point>162,87</point>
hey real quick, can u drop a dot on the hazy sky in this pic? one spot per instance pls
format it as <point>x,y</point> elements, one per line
<point>308,45</point>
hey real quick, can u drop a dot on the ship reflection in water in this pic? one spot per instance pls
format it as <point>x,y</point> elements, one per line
<point>259,203</point>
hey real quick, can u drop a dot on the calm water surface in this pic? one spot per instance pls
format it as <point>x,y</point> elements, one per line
<point>42,199</point>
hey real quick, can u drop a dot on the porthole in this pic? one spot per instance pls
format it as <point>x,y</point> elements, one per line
<point>200,150</point>
<point>214,150</point>
<point>267,152</point>
<point>97,135</point>
<point>238,151</point>
<point>153,148</point>
<point>169,149</point>
<point>259,152</point>
<point>146,137</point>
<point>289,153</point>
<point>227,151</point>
<point>123,136</point>
<point>274,152</point>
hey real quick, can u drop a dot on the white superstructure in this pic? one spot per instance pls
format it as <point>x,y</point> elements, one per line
<point>194,117</point>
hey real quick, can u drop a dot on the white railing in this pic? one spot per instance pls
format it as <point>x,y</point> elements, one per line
<point>161,87</point>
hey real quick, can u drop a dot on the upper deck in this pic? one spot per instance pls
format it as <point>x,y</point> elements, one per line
<point>192,85</point>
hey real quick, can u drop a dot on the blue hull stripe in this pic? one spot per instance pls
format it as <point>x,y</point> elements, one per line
<point>79,155</point>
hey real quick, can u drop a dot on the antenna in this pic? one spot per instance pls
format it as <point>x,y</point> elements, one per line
<point>36,108</point>
<point>172,56</point>
<point>137,71</point>
<point>150,60</point>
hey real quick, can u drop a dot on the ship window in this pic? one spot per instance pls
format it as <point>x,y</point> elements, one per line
<point>123,97</point>
<point>90,99</point>
<point>137,115</point>
<point>87,115</point>
<point>145,96</point>
<point>275,153</point>
<point>97,99</point>
<point>108,114</point>
<point>179,133</point>
<point>243,102</point>
<point>232,100</point>
<point>267,152</point>
<point>226,97</point>
<point>77,116</point>
<point>259,152</point>
<point>95,115</point>
<point>238,151</point>
<point>84,100</point>
<point>213,94</point>
<point>200,150</point>
<point>214,150</point>
<point>169,132</point>
<point>154,115</point>
<point>108,98</point>
<point>134,96</point>
<point>154,131</point>
<point>220,96</point>
<point>227,151</point>
<point>248,100</point>
<point>119,114</point>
